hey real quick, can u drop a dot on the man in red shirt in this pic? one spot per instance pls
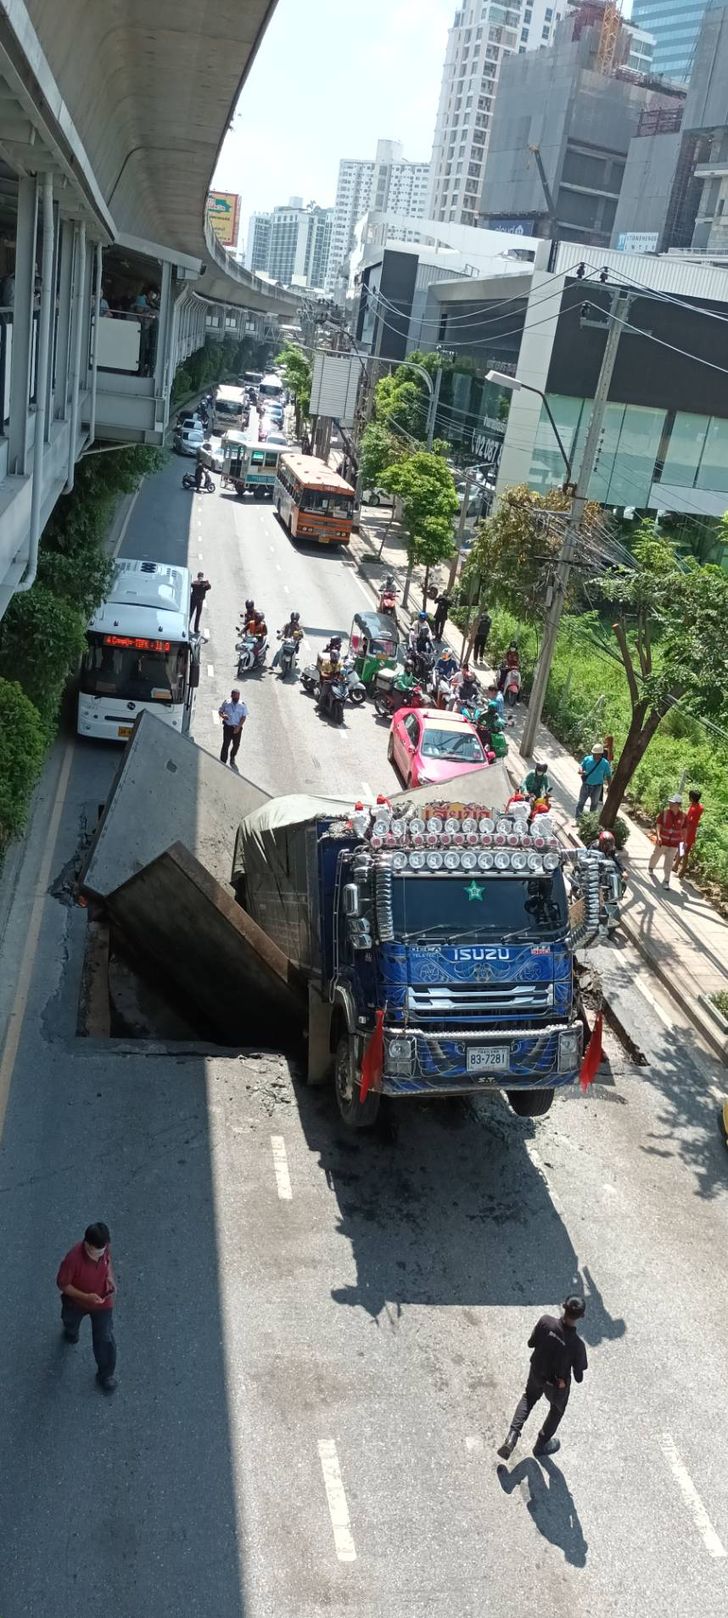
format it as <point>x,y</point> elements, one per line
<point>692,821</point>
<point>88,1287</point>
<point>670,827</point>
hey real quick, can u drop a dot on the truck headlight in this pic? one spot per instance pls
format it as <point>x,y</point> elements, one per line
<point>400,1056</point>
<point>569,1050</point>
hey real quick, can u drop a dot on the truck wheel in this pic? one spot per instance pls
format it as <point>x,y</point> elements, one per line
<point>530,1103</point>
<point>356,1114</point>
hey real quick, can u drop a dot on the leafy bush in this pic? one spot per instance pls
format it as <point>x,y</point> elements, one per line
<point>22,749</point>
<point>720,1001</point>
<point>589,828</point>
<point>42,639</point>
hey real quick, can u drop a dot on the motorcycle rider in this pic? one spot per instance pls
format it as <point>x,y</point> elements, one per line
<point>199,471</point>
<point>291,631</point>
<point>538,782</point>
<point>388,589</point>
<point>464,688</point>
<point>604,844</point>
<point>329,671</point>
<point>421,645</point>
<point>510,660</point>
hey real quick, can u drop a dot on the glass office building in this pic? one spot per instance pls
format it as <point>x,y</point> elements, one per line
<point>675,25</point>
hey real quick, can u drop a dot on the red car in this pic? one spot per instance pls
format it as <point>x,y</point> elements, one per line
<point>428,745</point>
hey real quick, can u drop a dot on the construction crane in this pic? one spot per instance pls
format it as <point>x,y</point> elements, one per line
<point>545,187</point>
<point>608,37</point>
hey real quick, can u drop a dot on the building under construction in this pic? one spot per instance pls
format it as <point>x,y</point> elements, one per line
<point>563,121</point>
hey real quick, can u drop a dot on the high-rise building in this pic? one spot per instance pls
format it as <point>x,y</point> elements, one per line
<point>292,243</point>
<point>388,184</point>
<point>562,125</point>
<point>675,25</point>
<point>258,248</point>
<point>482,34</point>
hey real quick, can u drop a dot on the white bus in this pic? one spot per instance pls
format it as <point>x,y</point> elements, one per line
<point>230,409</point>
<point>140,652</point>
<point>271,389</point>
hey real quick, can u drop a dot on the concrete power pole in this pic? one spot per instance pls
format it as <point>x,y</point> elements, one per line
<point>618,311</point>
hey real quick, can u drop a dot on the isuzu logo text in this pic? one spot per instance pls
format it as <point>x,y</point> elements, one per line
<point>476,952</point>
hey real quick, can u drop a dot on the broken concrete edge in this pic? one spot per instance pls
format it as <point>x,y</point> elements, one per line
<point>94,1008</point>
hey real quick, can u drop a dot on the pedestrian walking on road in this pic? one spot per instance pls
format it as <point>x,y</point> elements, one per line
<point>557,1352</point>
<point>233,715</point>
<point>594,770</point>
<point>200,587</point>
<point>442,608</point>
<point>481,636</point>
<point>88,1287</point>
<point>670,828</point>
<point>692,821</point>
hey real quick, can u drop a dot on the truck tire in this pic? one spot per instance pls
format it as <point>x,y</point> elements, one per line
<point>356,1114</point>
<point>530,1103</point>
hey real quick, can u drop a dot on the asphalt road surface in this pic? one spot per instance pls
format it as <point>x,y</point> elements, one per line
<point>321,1339</point>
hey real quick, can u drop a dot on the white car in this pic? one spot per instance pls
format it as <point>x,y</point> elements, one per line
<point>376,497</point>
<point>212,454</point>
<point>278,440</point>
<point>188,440</point>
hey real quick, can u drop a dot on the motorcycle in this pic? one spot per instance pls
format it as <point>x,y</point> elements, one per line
<point>207,485</point>
<point>387,602</point>
<point>251,652</point>
<point>612,888</point>
<point>355,686</point>
<point>389,698</point>
<point>333,695</point>
<point>422,663</point>
<point>287,655</point>
<point>512,688</point>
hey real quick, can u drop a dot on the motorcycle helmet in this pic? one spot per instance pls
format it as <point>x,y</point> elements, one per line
<point>422,617</point>
<point>295,617</point>
<point>249,605</point>
<point>540,767</point>
<point>606,842</point>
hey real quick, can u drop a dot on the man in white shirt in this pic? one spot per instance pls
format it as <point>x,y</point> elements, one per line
<point>233,714</point>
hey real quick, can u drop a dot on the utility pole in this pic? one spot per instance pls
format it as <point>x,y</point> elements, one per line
<point>460,535</point>
<point>618,312</point>
<point>432,409</point>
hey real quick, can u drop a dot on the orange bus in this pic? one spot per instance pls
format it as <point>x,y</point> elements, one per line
<point>312,501</point>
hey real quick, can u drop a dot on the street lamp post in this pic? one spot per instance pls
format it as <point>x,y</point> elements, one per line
<point>514,383</point>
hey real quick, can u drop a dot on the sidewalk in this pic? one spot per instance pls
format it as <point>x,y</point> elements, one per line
<point>677,932</point>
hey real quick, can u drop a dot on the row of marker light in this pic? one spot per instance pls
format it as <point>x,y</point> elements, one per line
<point>467,859</point>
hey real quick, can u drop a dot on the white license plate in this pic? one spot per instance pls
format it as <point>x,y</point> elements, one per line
<point>485,1058</point>
<point>124,730</point>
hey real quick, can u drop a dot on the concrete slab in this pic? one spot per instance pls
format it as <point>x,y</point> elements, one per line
<point>184,930</point>
<point>167,790</point>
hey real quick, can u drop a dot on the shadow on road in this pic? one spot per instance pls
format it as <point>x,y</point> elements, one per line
<point>550,1504</point>
<point>441,1206</point>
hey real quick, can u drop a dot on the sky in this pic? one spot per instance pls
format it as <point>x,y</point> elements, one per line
<point>330,79</point>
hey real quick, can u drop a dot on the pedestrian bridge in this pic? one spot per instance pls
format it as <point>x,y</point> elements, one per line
<point>111,119</point>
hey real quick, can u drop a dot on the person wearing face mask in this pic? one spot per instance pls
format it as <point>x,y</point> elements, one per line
<point>87,1285</point>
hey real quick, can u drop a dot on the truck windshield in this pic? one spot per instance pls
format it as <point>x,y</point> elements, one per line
<point>138,675</point>
<point>475,906</point>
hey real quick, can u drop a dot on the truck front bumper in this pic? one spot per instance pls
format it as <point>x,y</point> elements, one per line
<point>452,1061</point>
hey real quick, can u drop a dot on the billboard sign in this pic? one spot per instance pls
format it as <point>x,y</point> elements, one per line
<point>638,241</point>
<point>334,386</point>
<point>223,212</point>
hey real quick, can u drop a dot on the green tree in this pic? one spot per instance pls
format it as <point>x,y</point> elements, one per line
<point>22,748</point>
<point>670,633</point>
<point>379,450</point>
<point>515,551</point>
<point>295,364</point>
<point>42,638</point>
<point>429,499</point>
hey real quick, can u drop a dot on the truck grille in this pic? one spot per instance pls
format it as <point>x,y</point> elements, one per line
<point>430,1002</point>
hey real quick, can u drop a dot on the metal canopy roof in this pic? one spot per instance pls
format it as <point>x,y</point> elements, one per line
<point>149,90</point>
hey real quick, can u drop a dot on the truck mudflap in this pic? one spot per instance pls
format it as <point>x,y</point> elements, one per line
<point>420,1061</point>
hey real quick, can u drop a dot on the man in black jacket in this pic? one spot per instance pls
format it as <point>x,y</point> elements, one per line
<point>557,1351</point>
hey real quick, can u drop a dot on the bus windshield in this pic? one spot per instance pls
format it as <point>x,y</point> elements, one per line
<point>138,675</point>
<point>327,505</point>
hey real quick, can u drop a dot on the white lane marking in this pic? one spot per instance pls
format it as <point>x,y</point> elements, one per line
<point>474,1442</point>
<point>215,717</point>
<point>278,567</point>
<point>280,1166</point>
<point>367,790</point>
<point>210,671</point>
<point>338,1509</point>
<point>286,590</point>
<point>691,1498</point>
